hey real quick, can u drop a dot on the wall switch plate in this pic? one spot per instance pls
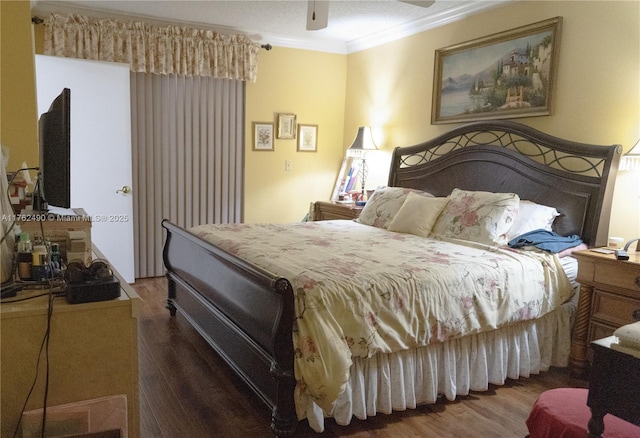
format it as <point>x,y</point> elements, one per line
<point>288,165</point>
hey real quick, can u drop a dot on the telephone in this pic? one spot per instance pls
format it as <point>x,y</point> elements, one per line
<point>622,254</point>
<point>628,339</point>
<point>628,244</point>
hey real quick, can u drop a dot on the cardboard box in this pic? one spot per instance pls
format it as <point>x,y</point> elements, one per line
<point>85,417</point>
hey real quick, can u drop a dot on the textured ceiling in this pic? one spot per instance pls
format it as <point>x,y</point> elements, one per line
<point>283,22</point>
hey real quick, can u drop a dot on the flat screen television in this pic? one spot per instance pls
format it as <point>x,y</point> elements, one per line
<point>55,149</point>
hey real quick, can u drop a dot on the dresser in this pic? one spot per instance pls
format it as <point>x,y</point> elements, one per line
<point>93,353</point>
<point>609,298</point>
<point>327,210</point>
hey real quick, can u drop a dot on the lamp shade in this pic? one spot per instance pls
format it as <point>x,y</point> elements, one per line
<point>631,160</point>
<point>362,143</point>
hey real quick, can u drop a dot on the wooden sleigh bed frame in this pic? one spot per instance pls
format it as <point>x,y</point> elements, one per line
<point>247,314</point>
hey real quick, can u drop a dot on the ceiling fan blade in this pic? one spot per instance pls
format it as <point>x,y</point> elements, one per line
<point>317,14</point>
<point>421,3</point>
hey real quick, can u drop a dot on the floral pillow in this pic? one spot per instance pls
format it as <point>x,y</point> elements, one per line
<point>482,217</point>
<point>384,204</point>
<point>532,216</point>
<point>417,215</point>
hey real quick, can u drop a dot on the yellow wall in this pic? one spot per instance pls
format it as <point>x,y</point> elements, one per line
<point>18,113</point>
<point>597,89</point>
<point>389,87</point>
<point>310,85</point>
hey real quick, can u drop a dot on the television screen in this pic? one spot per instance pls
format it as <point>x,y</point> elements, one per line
<point>55,150</point>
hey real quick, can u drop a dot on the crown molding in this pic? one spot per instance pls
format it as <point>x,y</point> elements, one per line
<point>315,44</point>
<point>379,38</point>
<point>431,22</point>
<point>318,45</point>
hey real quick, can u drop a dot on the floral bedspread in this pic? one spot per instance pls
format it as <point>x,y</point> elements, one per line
<point>360,290</point>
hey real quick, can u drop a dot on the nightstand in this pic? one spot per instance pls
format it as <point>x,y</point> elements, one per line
<point>326,211</point>
<point>609,297</point>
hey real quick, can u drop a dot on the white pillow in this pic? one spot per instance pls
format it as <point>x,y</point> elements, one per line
<point>482,217</point>
<point>532,216</point>
<point>384,204</point>
<point>417,215</point>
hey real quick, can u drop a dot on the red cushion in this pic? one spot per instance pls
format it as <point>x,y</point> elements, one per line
<point>563,413</point>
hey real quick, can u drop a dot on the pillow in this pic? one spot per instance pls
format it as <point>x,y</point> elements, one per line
<point>384,204</point>
<point>482,217</point>
<point>532,216</point>
<point>417,215</point>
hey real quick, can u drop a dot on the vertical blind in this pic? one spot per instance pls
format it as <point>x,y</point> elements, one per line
<point>188,143</point>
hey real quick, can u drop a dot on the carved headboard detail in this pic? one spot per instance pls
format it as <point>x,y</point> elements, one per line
<point>504,156</point>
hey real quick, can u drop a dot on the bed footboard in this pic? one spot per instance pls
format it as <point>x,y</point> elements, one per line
<point>245,313</point>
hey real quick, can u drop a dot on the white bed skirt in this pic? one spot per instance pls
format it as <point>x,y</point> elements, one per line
<point>404,380</point>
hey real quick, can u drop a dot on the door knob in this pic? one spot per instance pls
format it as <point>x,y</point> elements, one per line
<point>124,189</point>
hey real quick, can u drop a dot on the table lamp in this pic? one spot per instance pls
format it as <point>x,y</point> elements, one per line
<point>359,149</point>
<point>631,160</point>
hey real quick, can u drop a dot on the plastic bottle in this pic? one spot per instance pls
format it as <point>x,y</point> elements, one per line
<point>25,257</point>
<point>39,270</point>
<point>56,260</point>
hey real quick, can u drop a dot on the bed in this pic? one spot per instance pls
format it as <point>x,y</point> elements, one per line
<point>251,296</point>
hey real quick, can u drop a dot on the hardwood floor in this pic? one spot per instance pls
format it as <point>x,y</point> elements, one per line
<point>186,390</point>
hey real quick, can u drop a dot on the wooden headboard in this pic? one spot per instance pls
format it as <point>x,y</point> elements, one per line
<point>502,156</point>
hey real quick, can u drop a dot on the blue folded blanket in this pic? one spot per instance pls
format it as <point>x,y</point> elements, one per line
<point>545,240</point>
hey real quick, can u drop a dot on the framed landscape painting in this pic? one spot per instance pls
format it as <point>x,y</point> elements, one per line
<point>505,75</point>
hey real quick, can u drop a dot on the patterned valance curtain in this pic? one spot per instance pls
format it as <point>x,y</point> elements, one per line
<point>152,48</point>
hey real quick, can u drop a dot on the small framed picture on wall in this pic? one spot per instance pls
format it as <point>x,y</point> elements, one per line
<point>262,136</point>
<point>286,126</point>
<point>307,138</point>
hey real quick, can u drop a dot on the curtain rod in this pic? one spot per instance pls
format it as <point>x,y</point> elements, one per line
<point>38,20</point>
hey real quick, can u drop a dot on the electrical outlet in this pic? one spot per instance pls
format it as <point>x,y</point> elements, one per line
<point>288,165</point>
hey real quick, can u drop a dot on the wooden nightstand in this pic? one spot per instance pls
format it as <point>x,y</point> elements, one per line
<point>326,211</point>
<point>609,296</point>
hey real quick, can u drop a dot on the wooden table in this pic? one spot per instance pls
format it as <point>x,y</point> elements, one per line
<point>609,298</point>
<point>613,386</point>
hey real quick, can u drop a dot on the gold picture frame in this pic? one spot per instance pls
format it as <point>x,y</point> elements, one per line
<point>286,126</point>
<point>505,75</point>
<point>307,138</point>
<point>263,136</point>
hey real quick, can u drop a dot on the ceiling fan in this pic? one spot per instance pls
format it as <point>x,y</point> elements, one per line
<point>318,12</point>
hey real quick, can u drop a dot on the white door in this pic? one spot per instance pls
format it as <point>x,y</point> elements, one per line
<point>100,148</point>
